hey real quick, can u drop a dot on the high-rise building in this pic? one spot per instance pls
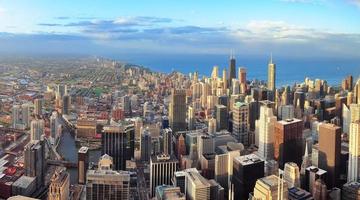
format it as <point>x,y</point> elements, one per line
<point>197,187</point>
<point>118,142</point>
<point>313,173</point>
<point>177,110</point>
<point>240,122</point>
<point>126,105</point>
<point>271,75</point>
<point>355,112</point>
<point>38,106</point>
<point>59,186</point>
<point>37,129</point>
<point>354,152</point>
<point>320,190</point>
<point>180,146</point>
<point>221,117</point>
<point>145,145</point>
<point>106,183</point>
<point>265,128</point>
<point>205,144</point>
<point>191,118</point>
<point>167,192</point>
<point>242,75</point>
<point>224,80</point>
<point>330,152</point>
<point>34,161</point>
<point>247,169</point>
<point>232,69</point>
<point>21,116</point>
<point>65,105</point>
<point>162,168</point>
<point>292,174</point>
<point>212,125</point>
<point>83,164</point>
<point>288,141</point>
<point>61,90</point>
<point>167,141</point>
<point>351,191</point>
<point>271,187</point>
<point>54,123</point>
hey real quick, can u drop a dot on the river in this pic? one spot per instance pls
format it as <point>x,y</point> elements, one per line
<point>69,151</point>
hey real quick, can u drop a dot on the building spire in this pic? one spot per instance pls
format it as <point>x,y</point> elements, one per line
<point>271,58</point>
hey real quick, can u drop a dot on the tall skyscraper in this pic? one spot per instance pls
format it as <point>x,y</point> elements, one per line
<point>354,152</point>
<point>34,161</point>
<point>191,118</point>
<point>265,128</point>
<point>38,106</point>
<point>118,142</point>
<point>224,80</point>
<point>66,105</point>
<point>355,112</point>
<point>221,117</point>
<point>126,105</point>
<point>106,183</point>
<point>320,191</point>
<point>177,110</point>
<point>21,116</point>
<point>145,145</point>
<point>162,168</point>
<point>247,169</point>
<point>59,186</point>
<point>232,69</point>
<point>83,164</point>
<point>271,75</point>
<point>313,173</point>
<point>54,125</point>
<point>37,129</point>
<point>240,122</point>
<point>330,152</point>
<point>242,75</point>
<point>288,141</point>
<point>167,141</point>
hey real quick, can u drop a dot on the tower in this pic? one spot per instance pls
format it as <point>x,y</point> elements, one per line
<point>232,68</point>
<point>354,152</point>
<point>59,186</point>
<point>37,129</point>
<point>145,145</point>
<point>240,120</point>
<point>271,75</point>
<point>177,110</point>
<point>83,164</point>
<point>38,106</point>
<point>265,131</point>
<point>34,161</point>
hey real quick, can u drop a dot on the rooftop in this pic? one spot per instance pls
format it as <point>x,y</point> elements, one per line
<point>248,159</point>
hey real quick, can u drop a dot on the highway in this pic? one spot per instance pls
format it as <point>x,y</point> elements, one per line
<point>141,182</point>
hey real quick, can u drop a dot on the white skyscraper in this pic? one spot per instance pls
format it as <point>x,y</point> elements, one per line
<point>265,131</point>
<point>354,152</point>
<point>292,174</point>
<point>36,129</point>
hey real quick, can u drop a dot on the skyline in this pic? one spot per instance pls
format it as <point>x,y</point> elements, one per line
<point>300,29</point>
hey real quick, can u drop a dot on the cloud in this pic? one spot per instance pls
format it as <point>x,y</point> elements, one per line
<point>355,2</point>
<point>49,24</point>
<point>2,10</point>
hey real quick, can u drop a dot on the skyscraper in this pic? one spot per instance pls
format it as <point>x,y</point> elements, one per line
<point>197,187</point>
<point>37,129</point>
<point>265,128</point>
<point>167,141</point>
<point>59,186</point>
<point>177,110</point>
<point>242,75</point>
<point>118,142</point>
<point>330,152</point>
<point>355,112</point>
<point>66,105</point>
<point>240,121</point>
<point>145,145</point>
<point>54,125</point>
<point>221,117</point>
<point>106,183</point>
<point>271,75</point>
<point>34,161</point>
<point>232,69</point>
<point>288,141</point>
<point>162,168</point>
<point>271,187</point>
<point>354,152</point>
<point>292,174</point>
<point>38,106</point>
<point>247,169</point>
<point>191,117</point>
<point>83,164</point>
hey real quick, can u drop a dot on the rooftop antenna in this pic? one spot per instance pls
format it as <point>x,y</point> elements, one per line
<point>271,59</point>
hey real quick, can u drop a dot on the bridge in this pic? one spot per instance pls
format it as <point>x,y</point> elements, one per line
<point>62,163</point>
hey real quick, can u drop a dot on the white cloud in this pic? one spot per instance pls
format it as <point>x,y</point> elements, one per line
<point>2,10</point>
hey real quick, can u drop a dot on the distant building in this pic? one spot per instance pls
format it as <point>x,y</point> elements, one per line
<point>83,164</point>
<point>354,152</point>
<point>145,145</point>
<point>296,193</point>
<point>177,110</point>
<point>240,121</point>
<point>38,106</point>
<point>271,187</point>
<point>292,174</point>
<point>86,128</point>
<point>312,174</point>
<point>167,192</point>
<point>271,75</point>
<point>221,117</point>
<point>232,69</point>
<point>65,105</point>
<point>351,191</point>
<point>197,187</point>
<point>34,161</point>
<point>37,129</point>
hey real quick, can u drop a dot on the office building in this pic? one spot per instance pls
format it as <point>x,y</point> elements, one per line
<point>54,124</point>
<point>288,141</point>
<point>296,193</point>
<point>312,174</point>
<point>247,170</point>
<point>177,110</point>
<point>242,75</point>
<point>354,152</point>
<point>240,122</point>
<point>37,129</point>
<point>221,117</point>
<point>83,164</point>
<point>38,106</point>
<point>180,146</point>
<point>330,152</point>
<point>86,128</point>
<point>320,191</point>
<point>191,118</point>
<point>292,174</point>
<point>271,187</point>
<point>197,187</point>
<point>65,109</point>
<point>21,116</point>
<point>212,126</point>
<point>118,142</point>
<point>167,141</point>
<point>355,112</point>
<point>34,161</point>
<point>351,191</point>
<point>145,145</point>
<point>265,128</point>
<point>59,186</point>
<point>167,192</point>
<point>162,168</point>
<point>106,183</point>
<point>232,69</point>
<point>271,75</point>
<point>126,105</point>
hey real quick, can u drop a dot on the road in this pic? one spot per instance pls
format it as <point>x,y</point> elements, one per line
<point>141,183</point>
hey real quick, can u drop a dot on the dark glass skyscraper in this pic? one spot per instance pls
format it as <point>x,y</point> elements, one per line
<point>232,70</point>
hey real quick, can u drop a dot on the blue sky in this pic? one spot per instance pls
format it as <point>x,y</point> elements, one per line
<point>295,28</point>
